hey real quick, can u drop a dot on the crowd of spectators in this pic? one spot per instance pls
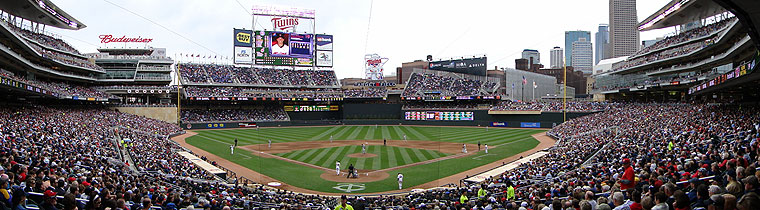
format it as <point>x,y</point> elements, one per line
<point>631,156</point>
<point>63,89</point>
<point>206,73</point>
<point>366,93</point>
<point>444,105</point>
<point>261,92</point>
<point>194,73</point>
<point>665,54</point>
<point>553,106</point>
<point>686,36</point>
<point>420,84</point>
<point>65,58</point>
<point>248,114</point>
<point>43,39</point>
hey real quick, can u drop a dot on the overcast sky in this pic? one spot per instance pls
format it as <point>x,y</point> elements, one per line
<point>401,30</point>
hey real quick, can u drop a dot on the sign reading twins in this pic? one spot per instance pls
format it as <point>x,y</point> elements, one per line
<point>108,38</point>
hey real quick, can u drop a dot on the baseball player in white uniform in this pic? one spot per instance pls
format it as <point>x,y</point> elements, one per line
<point>270,143</point>
<point>364,148</point>
<point>400,179</point>
<point>404,137</point>
<point>232,149</point>
<point>337,168</point>
<point>486,148</point>
<point>464,148</point>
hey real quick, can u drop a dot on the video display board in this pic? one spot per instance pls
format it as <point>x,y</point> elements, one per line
<point>311,108</point>
<point>475,66</point>
<point>283,49</point>
<point>439,116</point>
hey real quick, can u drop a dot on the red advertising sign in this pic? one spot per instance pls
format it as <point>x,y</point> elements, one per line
<point>110,38</point>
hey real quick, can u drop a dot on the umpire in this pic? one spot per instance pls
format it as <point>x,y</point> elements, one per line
<point>350,170</point>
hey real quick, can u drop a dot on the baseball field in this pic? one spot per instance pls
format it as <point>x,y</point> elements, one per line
<point>305,157</point>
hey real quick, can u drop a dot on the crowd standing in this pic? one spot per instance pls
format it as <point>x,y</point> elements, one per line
<point>249,114</point>
<point>420,84</point>
<point>60,88</point>
<point>261,92</point>
<point>216,73</point>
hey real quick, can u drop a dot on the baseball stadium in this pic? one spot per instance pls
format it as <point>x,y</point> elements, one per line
<point>93,116</point>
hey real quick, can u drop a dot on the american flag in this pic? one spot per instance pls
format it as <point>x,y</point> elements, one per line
<point>525,81</point>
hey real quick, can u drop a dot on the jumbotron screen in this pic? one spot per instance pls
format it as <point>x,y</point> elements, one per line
<point>284,49</point>
<point>439,116</point>
<point>311,108</point>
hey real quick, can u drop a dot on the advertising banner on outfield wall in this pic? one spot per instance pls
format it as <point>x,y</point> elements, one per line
<point>243,55</point>
<point>530,124</point>
<point>324,42</point>
<point>324,58</point>
<point>499,124</point>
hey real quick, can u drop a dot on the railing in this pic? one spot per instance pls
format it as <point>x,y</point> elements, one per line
<point>153,68</point>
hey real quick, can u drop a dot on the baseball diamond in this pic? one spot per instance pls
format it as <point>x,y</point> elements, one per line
<point>305,157</point>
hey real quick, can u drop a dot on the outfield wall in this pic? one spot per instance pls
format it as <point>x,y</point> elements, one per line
<point>481,118</point>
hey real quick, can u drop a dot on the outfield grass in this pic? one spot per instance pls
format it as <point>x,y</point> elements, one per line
<point>326,157</point>
<point>511,141</point>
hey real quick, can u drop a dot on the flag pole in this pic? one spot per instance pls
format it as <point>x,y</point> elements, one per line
<point>564,95</point>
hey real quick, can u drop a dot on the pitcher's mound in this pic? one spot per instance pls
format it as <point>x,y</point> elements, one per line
<point>364,176</point>
<point>360,155</point>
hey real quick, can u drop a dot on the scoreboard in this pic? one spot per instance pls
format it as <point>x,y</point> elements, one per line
<point>439,116</point>
<point>283,48</point>
<point>311,108</point>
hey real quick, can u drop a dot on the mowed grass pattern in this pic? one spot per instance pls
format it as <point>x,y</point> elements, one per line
<point>326,157</point>
<point>510,142</point>
<point>492,136</point>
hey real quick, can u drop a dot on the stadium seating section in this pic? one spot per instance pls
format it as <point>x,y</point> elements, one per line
<point>228,74</point>
<point>85,149</point>
<point>421,83</point>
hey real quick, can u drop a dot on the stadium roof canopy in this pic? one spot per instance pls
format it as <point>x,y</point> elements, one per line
<point>679,12</point>
<point>41,11</point>
<point>748,12</point>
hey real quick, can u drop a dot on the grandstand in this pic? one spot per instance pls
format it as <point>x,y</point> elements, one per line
<point>678,128</point>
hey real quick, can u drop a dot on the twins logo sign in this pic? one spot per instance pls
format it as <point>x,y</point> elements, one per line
<point>284,23</point>
<point>373,64</point>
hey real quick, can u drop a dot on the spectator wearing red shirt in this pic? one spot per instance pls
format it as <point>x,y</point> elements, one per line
<point>627,181</point>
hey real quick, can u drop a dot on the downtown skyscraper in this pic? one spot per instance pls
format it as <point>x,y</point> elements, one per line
<point>624,34</point>
<point>570,37</point>
<point>602,41</point>
<point>582,55</point>
<point>557,58</point>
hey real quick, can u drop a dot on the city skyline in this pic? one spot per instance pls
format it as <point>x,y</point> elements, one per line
<point>400,33</point>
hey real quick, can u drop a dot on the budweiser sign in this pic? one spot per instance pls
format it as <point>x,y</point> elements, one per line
<point>109,38</point>
<point>284,23</point>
